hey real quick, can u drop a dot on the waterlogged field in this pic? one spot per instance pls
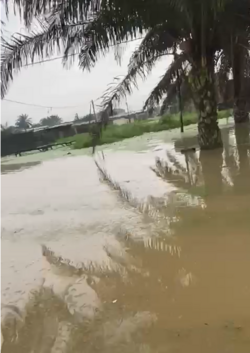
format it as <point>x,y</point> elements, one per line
<point>139,249</point>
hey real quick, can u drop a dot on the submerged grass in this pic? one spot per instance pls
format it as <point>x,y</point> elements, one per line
<point>115,133</point>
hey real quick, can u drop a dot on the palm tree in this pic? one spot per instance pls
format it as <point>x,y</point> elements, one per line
<point>193,31</point>
<point>23,122</point>
<point>241,71</point>
<point>236,59</point>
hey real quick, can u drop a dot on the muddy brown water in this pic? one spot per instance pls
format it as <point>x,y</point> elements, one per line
<point>163,267</point>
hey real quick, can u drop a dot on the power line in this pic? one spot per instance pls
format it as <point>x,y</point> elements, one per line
<point>61,57</point>
<point>53,59</point>
<point>46,60</point>
<point>41,106</point>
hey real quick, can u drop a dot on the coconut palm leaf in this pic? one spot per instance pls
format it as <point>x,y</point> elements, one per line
<point>21,49</point>
<point>56,34</point>
<point>175,173</point>
<point>157,43</point>
<point>80,26</point>
<point>65,266</point>
<point>168,78</point>
<point>105,31</point>
<point>80,9</point>
<point>175,177</point>
<point>145,208</point>
<point>172,92</point>
<point>135,246</point>
<point>71,9</point>
<point>171,96</point>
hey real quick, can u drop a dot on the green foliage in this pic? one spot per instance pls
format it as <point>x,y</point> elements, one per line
<point>6,129</point>
<point>23,122</point>
<point>189,118</point>
<point>86,118</point>
<point>76,117</point>
<point>51,121</point>
<point>196,33</point>
<point>115,133</point>
<point>174,119</point>
<point>225,113</point>
<point>167,25</point>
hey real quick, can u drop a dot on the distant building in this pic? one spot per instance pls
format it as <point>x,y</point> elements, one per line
<point>125,118</point>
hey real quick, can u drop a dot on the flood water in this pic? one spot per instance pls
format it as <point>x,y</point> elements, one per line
<point>148,253</point>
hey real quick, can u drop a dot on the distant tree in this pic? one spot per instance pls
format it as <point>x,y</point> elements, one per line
<point>4,126</point>
<point>6,129</point>
<point>88,117</point>
<point>85,118</point>
<point>76,117</point>
<point>117,111</point>
<point>51,120</point>
<point>23,122</point>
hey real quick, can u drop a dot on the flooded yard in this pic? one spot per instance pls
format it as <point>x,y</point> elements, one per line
<point>143,248</point>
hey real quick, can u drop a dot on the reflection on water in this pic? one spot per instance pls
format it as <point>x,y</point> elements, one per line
<point>154,257</point>
<point>9,168</point>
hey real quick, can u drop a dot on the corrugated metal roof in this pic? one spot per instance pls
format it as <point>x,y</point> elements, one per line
<point>41,128</point>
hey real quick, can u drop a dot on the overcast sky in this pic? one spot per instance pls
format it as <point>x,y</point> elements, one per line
<point>50,85</point>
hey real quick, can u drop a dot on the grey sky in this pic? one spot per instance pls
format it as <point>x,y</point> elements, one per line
<point>49,84</point>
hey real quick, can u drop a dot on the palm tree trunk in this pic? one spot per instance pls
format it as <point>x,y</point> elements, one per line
<point>240,103</point>
<point>209,135</point>
<point>240,112</point>
<point>211,163</point>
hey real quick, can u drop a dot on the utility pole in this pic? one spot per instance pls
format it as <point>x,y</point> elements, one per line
<point>180,100</point>
<point>129,119</point>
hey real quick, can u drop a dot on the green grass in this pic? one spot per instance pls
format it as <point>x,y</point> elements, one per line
<point>115,133</point>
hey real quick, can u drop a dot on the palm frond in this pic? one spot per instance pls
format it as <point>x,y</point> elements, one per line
<point>157,42</point>
<point>80,9</point>
<point>21,49</point>
<point>104,31</point>
<point>173,92</point>
<point>76,10</point>
<point>176,175</point>
<point>145,208</point>
<point>167,79</point>
<point>89,268</point>
<point>153,243</point>
<point>170,98</point>
<point>84,40</point>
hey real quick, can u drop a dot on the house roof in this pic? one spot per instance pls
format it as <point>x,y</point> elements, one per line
<point>41,128</point>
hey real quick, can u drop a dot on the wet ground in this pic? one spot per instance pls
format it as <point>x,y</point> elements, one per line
<point>146,251</point>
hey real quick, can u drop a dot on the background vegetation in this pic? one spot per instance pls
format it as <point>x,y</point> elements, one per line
<point>114,133</point>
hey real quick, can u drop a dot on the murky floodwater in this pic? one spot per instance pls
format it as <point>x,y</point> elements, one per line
<point>154,257</point>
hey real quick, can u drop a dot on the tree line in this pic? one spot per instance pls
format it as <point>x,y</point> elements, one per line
<point>24,122</point>
<point>91,117</point>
